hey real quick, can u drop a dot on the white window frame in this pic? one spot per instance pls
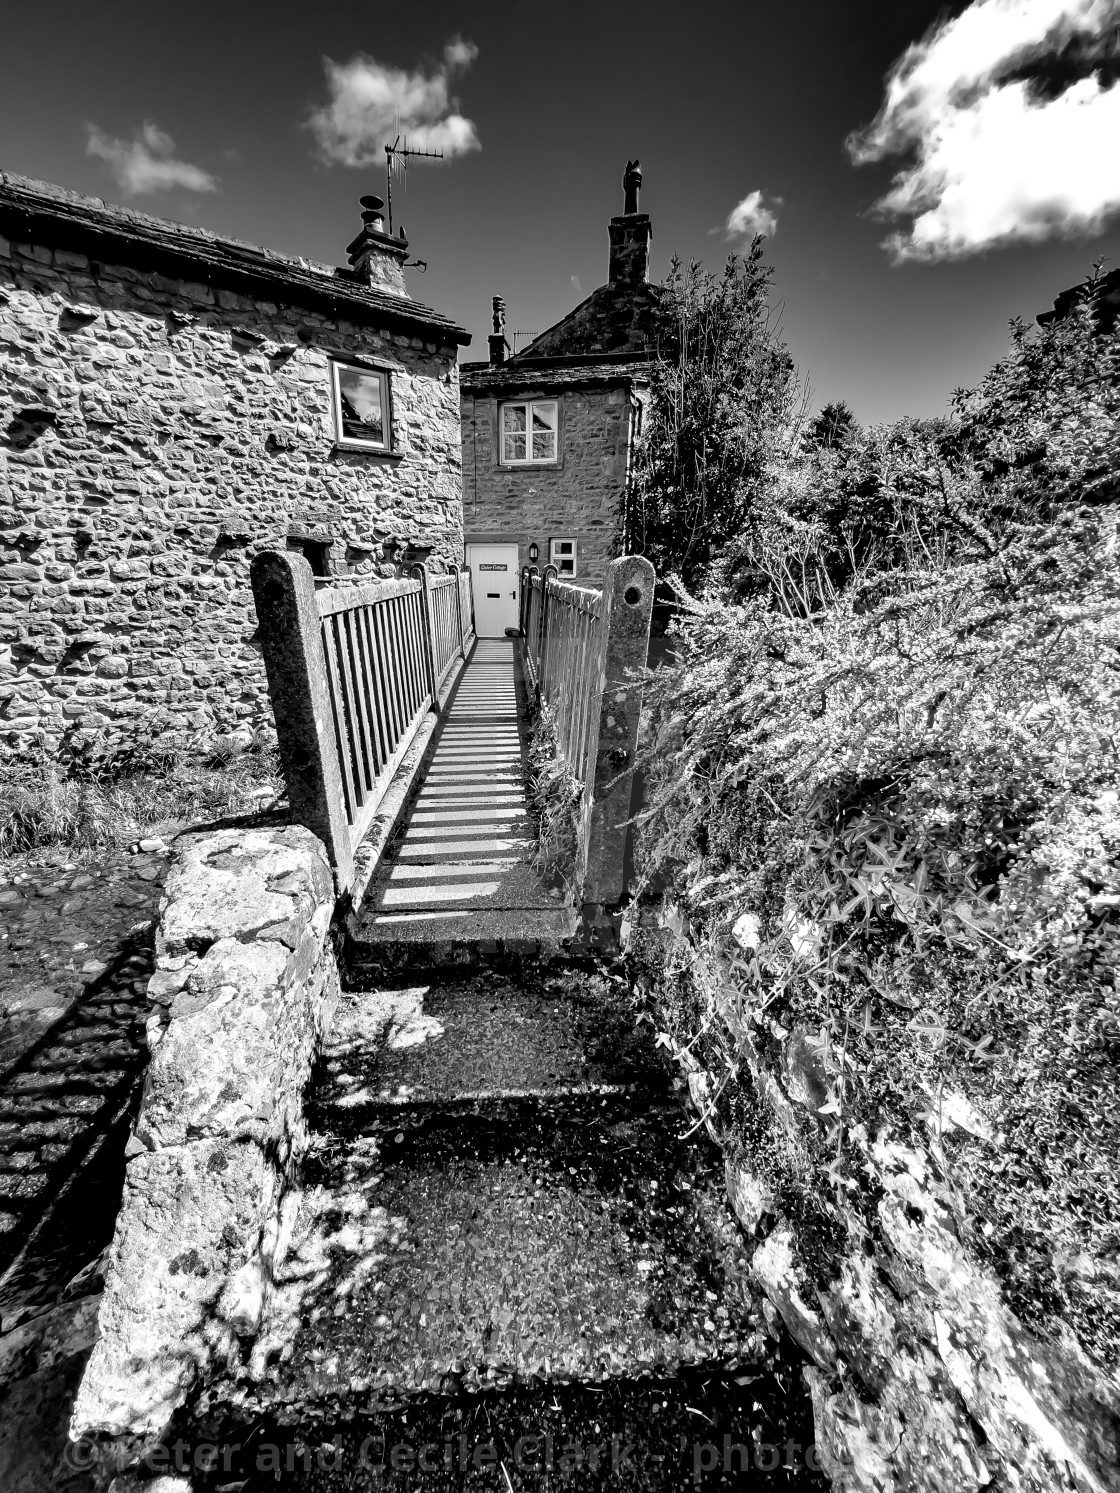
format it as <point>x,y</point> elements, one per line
<point>564,552</point>
<point>356,443</point>
<point>528,460</point>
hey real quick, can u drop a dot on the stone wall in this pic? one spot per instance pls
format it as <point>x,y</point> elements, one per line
<point>246,983</point>
<point>922,1380</point>
<point>580,495</point>
<point>154,433</point>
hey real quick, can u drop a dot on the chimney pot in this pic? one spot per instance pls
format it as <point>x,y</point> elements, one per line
<point>374,257</point>
<point>499,347</point>
<point>630,235</point>
<point>631,186</point>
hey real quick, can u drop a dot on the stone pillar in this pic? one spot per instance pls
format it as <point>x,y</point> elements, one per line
<point>284,593</point>
<point>627,606</point>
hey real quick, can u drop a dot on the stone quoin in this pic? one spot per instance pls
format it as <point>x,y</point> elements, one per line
<point>172,402</point>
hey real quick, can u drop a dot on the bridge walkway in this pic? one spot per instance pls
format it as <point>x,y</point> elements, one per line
<point>460,867</point>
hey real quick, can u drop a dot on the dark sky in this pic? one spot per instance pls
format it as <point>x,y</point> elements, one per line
<point>717,99</point>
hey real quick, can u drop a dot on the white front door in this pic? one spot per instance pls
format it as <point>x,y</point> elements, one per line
<point>495,577</point>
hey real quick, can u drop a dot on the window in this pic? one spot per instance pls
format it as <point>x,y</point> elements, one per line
<point>317,553</point>
<point>562,553</point>
<point>528,432</point>
<point>361,407</point>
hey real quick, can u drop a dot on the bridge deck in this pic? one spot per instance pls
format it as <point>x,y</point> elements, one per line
<point>461,864</point>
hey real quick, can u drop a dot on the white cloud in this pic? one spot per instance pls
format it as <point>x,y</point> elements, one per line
<point>370,101</point>
<point>146,163</point>
<point>1002,118</point>
<point>577,284</point>
<point>757,213</point>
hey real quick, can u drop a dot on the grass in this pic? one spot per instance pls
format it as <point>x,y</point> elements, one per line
<point>97,797</point>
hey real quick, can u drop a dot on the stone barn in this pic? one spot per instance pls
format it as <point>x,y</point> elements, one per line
<point>170,402</point>
<point>548,432</point>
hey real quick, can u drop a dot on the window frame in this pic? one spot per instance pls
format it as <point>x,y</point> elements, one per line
<point>528,460</point>
<point>555,557</point>
<point>384,447</point>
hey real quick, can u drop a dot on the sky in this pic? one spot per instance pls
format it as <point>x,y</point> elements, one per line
<point>923,172</point>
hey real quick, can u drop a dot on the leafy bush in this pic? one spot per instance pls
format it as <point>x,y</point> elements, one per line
<point>886,786</point>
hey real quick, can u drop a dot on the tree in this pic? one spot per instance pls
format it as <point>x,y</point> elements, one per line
<point>723,396</point>
<point>832,427</point>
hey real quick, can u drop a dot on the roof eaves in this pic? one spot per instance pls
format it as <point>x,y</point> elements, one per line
<point>37,212</point>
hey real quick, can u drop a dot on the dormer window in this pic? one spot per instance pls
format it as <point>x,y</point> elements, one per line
<point>528,432</point>
<point>361,407</point>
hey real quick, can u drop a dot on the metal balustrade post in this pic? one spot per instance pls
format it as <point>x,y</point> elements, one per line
<point>295,664</point>
<point>420,571</point>
<point>614,709</point>
<point>454,570</point>
<point>467,623</point>
<point>548,573</point>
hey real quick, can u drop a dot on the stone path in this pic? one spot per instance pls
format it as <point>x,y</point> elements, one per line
<point>509,1230</point>
<point>488,1209</point>
<point>467,844</point>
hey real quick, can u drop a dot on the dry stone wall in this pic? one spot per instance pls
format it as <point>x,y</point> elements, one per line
<point>155,433</point>
<point>581,495</point>
<point>245,985</point>
<point>922,1380</point>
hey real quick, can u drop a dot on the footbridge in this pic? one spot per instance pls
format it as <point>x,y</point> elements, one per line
<point>404,743</point>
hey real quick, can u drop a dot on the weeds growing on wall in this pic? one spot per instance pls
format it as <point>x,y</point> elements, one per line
<point>555,797</point>
<point>101,791</point>
<point>886,801</point>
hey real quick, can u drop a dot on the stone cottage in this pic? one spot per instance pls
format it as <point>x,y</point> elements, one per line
<point>170,402</point>
<point>548,432</point>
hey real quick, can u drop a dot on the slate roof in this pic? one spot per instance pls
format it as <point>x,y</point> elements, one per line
<point>521,372</point>
<point>1102,295</point>
<point>40,213</point>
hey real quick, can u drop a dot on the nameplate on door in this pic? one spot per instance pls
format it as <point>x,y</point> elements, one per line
<point>493,567</point>
<point>493,596</point>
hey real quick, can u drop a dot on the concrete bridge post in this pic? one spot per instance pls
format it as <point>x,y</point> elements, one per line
<point>627,607</point>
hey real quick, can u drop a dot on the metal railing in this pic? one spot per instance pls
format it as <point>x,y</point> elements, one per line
<point>583,650</point>
<point>564,646</point>
<point>353,670</point>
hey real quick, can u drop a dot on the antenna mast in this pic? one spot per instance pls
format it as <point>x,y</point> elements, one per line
<point>398,153</point>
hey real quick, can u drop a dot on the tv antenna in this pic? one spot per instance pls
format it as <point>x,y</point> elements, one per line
<point>397,156</point>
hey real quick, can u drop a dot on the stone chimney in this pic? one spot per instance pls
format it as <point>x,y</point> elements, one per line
<point>376,258</point>
<point>499,347</point>
<point>630,234</point>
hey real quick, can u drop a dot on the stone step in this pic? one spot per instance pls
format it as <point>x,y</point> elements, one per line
<point>379,944</point>
<point>573,1239</point>
<point>475,1038</point>
<point>501,1184</point>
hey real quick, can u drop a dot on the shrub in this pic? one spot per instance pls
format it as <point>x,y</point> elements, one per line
<point>885,784</point>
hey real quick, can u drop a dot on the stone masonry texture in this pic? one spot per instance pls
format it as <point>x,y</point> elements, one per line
<point>156,430</point>
<point>245,986</point>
